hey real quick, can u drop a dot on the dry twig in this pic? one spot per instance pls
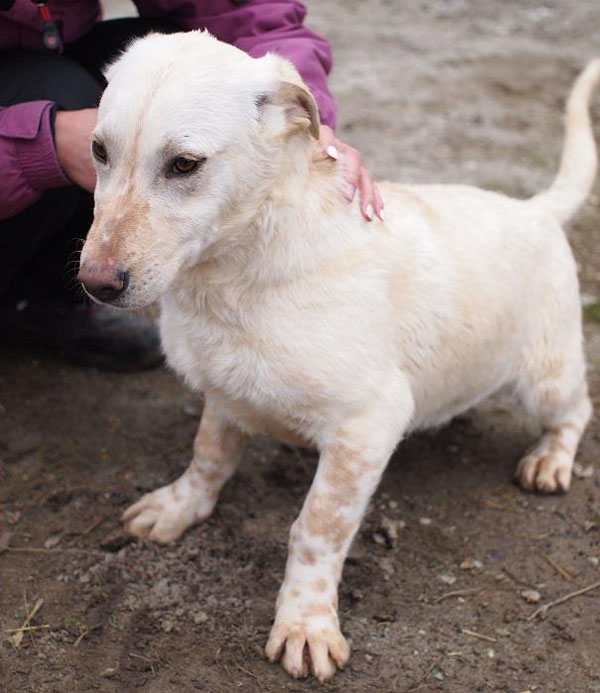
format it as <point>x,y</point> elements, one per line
<point>473,634</point>
<point>27,629</point>
<point>417,684</point>
<point>17,638</point>
<point>81,637</point>
<point>241,668</point>
<point>559,569</point>
<point>96,523</point>
<point>152,661</point>
<point>561,600</point>
<point>517,579</point>
<point>457,593</point>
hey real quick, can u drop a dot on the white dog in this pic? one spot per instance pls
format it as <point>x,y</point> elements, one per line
<point>297,318</point>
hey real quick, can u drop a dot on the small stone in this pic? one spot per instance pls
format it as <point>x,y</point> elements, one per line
<point>447,579</point>
<point>200,617</point>
<point>425,521</point>
<point>594,560</point>
<point>589,525</point>
<point>356,595</point>
<point>471,564</point>
<point>390,530</point>
<point>490,653</point>
<point>190,410</point>
<point>108,673</point>
<point>393,504</point>
<point>52,541</point>
<point>531,596</point>
<point>437,674</point>
<point>167,626</point>
<point>582,472</point>
<point>378,538</point>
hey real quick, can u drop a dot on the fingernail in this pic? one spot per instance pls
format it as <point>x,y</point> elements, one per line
<point>350,192</point>
<point>369,212</point>
<point>382,214</point>
<point>333,152</point>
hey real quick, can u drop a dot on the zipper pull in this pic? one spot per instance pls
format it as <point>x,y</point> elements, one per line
<point>50,34</point>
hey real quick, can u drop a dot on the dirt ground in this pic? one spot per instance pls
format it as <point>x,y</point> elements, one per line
<point>436,90</point>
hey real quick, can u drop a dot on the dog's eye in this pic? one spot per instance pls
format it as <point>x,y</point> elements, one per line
<point>183,165</point>
<point>99,151</point>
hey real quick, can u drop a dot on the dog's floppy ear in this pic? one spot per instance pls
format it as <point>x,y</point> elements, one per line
<point>300,107</point>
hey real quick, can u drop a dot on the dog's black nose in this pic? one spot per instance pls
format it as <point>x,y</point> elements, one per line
<point>103,282</point>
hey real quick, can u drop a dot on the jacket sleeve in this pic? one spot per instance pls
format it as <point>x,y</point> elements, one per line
<point>258,27</point>
<point>28,163</point>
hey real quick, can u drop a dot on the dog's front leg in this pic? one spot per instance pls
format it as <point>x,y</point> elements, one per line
<point>166,513</point>
<point>306,633</point>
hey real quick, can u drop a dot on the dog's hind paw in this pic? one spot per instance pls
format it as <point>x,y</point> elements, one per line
<point>164,515</point>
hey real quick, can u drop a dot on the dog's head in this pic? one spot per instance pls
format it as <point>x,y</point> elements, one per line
<point>189,134</point>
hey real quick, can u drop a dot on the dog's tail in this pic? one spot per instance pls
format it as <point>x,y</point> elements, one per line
<point>579,158</point>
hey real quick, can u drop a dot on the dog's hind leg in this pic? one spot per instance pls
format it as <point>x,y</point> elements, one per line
<point>166,513</point>
<point>557,395</point>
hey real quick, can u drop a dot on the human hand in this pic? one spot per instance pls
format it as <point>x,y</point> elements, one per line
<point>356,175</point>
<point>72,139</point>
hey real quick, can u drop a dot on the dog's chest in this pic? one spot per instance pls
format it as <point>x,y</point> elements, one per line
<point>264,383</point>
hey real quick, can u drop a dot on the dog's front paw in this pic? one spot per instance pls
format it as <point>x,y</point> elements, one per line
<point>313,644</point>
<point>544,472</point>
<point>164,515</point>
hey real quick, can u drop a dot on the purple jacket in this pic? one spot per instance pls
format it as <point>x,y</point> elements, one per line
<point>28,163</point>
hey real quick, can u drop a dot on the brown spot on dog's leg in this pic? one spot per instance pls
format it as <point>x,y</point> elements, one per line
<point>307,556</point>
<point>320,585</point>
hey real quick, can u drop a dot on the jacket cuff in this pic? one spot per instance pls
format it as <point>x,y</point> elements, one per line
<point>37,154</point>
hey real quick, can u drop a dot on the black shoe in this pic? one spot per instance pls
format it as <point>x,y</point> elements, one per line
<point>84,333</point>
